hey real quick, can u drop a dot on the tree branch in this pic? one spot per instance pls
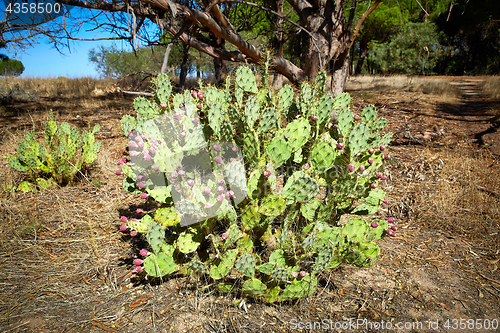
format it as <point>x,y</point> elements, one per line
<point>361,20</point>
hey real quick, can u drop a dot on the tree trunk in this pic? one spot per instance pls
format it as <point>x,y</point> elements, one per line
<point>165,58</point>
<point>363,52</point>
<point>278,44</point>
<point>184,67</point>
<point>220,68</point>
<point>339,78</point>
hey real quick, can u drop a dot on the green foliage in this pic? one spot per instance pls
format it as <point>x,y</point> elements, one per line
<point>252,235</point>
<point>415,50</point>
<point>10,67</point>
<point>60,156</point>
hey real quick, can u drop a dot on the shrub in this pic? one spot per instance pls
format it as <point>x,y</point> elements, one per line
<point>253,182</point>
<point>63,153</point>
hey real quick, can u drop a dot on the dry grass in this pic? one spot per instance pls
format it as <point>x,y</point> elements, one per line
<point>492,87</point>
<point>403,83</point>
<point>456,190</point>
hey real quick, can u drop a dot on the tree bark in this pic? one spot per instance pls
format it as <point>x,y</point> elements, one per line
<point>220,68</point>
<point>165,57</point>
<point>184,67</point>
<point>278,44</point>
<point>362,54</point>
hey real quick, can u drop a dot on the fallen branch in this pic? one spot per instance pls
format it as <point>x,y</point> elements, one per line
<point>140,93</point>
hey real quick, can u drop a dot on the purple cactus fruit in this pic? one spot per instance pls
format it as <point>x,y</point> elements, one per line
<point>138,269</point>
<point>370,259</point>
<point>200,95</point>
<point>196,121</point>
<point>131,164</point>
<point>392,234</point>
<point>383,177</point>
<point>147,158</point>
<point>371,151</point>
<point>230,194</point>
<point>11,152</point>
<point>144,136</point>
<point>120,162</point>
<point>131,135</point>
<point>220,189</point>
<point>267,173</point>
<point>4,163</point>
<point>123,228</point>
<point>220,181</point>
<point>340,146</point>
<point>141,185</point>
<point>376,147</point>
<point>373,185</point>
<point>314,118</point>
<point>225,235</point>
<point>181,106</point>
<point>361,168</point>
<point>181,173</point>
<point>387,157</point>
<point>307,166</point>
<point>198,105</point>
<point>374,224</point>
<point>134,153</point>
<point>138,262</point>
<point>118,172</point>
<point>154,167</point>
<point>144,252</point>
<point>351,167</point>
<point>133,233</point>
<point>388,232</point>
<point>390,219</point>
<point>201,114</point>
<point>356,117</point>
<point>178,116</point>
<point>182,134</point>
<point>370,160</point>
<point>163,104</point>
<point>295,274</point>
<point>216,147</point>
<point>207,190</point>
<point>123,219</point>
<point>190,182</point>
<point>141,144</point>
<point>139,211</point>
<point>220,198</point>
<point>154,142</point>
<point>132,144</point>
<point>138,139</point>
<point>235,149</point>
<point>152,151</point>
<point>335,125</point>
<point>144,195</point>
<point>379,175</point>
<point>384,200</point>
<point>218,159</point>
<point>195,95</point>
<point>382,148</point>
<point>302,273</point>
<point>394,228</point>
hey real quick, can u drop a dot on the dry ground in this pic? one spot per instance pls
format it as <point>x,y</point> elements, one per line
<point>66,266</point>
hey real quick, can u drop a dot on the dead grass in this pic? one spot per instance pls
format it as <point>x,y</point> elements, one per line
<point>492,87</point>
<point>403,83</point>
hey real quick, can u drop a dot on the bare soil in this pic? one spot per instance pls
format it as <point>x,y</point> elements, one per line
<point>67,267</point>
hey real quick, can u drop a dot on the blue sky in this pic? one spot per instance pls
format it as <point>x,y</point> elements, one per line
<point>43,60</point>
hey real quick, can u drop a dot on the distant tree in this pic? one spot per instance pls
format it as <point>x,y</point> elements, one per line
<point>10,67</point>
<point>414,50</point>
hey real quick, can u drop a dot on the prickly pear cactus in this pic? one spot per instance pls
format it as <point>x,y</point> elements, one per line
<point>62,154</point>
<point>251,183</point>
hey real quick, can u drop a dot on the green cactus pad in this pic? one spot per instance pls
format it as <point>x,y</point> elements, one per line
<point>285,98</point>
<point>272,205</point>
<point>246,265</point>
<point>358,138</point>
<point>245,244</point>
<point>142,225</point>
<point>369,115</point>
<point>268,120</point>
<point>361,254</point>
<point>345,120</point>
<point>375,234</point>
<point>371,204</point>
<point>342,102</point>
<point>299,288</point>
<point>355,229</point>
<point>218,271</point>
<point>245,79</point>
<point>324,108</point>
<point>300,188</point>
<point>189,240</point>
<point>250,216</point>
<point>160,265</point>
<point>324,154</point>
<point>308,209</point>
<point>278,151</point>
<point>254,288</point>
<point>276,259</point>
<point>167,216</point>
<point>297,132</point>
<point>155,236</point>
<point>252,111</point>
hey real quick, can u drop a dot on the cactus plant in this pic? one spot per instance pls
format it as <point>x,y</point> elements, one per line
<point>251,193</point>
